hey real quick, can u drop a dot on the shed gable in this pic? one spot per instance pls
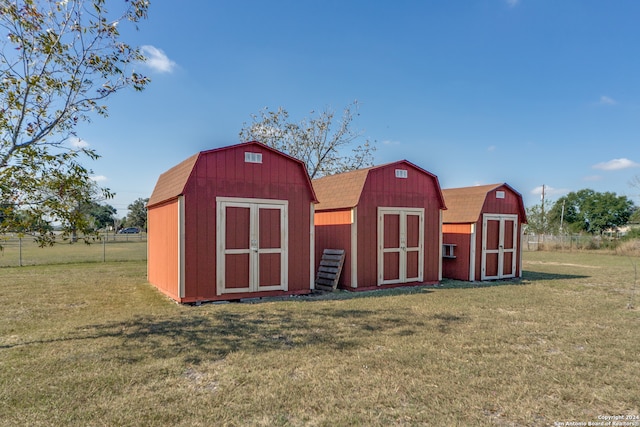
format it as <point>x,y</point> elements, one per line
<point>466,204</point>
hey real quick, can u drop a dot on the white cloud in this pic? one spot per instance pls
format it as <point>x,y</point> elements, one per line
<point>78,143</point>
<point>616,164</point>
<point>157,59</point>
<point>99,178</point>
<point>390,142</point>
<point>512,3</point>
<point>592,178</point>
<point>492,148</point>
<point>605,100</point>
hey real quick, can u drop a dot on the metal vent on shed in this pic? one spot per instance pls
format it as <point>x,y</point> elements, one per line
<point>401,173</point>
<point>252,157</point>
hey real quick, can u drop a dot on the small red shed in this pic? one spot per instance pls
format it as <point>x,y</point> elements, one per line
<point>387,219</point>
<point>482,233</point>
<point>230,223</point>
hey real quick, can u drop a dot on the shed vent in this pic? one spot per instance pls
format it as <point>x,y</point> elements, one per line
<point>252,157</point>
<point>401,173</point>
<point>499,194</point>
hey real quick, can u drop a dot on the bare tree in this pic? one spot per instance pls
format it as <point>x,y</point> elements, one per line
<point>326,144</point>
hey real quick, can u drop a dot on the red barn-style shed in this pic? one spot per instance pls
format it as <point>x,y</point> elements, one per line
<point>387,219</point>
<point>230,223</point>
<point>482,233</point>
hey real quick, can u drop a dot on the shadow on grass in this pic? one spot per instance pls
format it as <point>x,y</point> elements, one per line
<point>527,277</point>
<point>214,336</point>
<point>196,337</point>
<point>344,294</point>
<point>533,276</point>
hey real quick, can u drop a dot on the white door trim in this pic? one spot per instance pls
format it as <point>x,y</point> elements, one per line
<point>501,250</point>
<point>253,250</point>
<point>403,249</point>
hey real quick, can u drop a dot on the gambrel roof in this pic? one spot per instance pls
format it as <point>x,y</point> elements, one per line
<point>343,190</point>
<point>171,183</point>
<point>465,204</point>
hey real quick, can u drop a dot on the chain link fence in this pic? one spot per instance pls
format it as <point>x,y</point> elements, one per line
<point>21,250</point>
<point>568,242</point>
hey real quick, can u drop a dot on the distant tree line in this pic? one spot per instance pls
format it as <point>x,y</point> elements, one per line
<point>584,211</point>
<point>94,215</point>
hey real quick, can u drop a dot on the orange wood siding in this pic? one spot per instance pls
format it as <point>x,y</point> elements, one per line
<point>163,253</point>
<point>456,228</point>
<point>333,218</point>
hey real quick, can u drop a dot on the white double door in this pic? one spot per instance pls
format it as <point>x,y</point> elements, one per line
<point>499,246</point>
<point>400,245</point>
<point>252,244</point>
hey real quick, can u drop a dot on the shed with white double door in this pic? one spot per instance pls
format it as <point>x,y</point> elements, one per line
<point>231,223</point>
<point>387,219</point>
<point>482,233</point>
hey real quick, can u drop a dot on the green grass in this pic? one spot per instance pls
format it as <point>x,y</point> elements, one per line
<point>93,344</point>
<point>125,248</point>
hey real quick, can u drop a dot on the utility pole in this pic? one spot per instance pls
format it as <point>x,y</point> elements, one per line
<point>542,220</point>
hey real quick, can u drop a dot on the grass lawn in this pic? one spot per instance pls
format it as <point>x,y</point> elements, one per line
<point>123,248</point>
<point>94,344</point>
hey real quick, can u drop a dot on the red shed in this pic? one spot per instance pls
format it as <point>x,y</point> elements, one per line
<point>387,219</point>
<point>482,233</point>
<point>230,223</point>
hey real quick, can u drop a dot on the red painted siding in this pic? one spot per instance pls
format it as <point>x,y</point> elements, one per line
<point>510,205</point>
<point>336,236</point>
<point>460,235</point>
<point>224,173</point>
<point>162,241</point>
<point>383,189</point>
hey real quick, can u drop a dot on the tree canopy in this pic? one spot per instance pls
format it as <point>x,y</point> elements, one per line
<point>327,145</point>
<point>102,214</point>
<point>59,61</point>
<point>592,212</point>
<point>137,214</point>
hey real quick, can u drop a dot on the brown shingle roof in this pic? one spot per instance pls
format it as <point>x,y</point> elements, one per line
<point>465,204</point>
<point>340,191</point>
<point>171,183</point>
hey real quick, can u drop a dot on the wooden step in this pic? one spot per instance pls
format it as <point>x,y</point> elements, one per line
<point>330,269</point>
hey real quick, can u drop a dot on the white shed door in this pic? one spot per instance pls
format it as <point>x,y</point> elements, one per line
<point>251,245</point>
<point>400,245</point>
<point>499,246</point>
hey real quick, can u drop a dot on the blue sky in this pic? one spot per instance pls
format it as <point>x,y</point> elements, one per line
<point>527,92</point>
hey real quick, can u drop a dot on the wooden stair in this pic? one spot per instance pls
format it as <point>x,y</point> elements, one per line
<point>330,269</point>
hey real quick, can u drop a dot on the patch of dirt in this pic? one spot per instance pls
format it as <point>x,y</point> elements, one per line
<point>561,263</point>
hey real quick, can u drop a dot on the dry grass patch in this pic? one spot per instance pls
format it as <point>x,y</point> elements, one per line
<point>93,344</point>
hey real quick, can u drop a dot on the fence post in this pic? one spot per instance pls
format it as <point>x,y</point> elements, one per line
<point>104,247</point>
<point>19,251</point>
